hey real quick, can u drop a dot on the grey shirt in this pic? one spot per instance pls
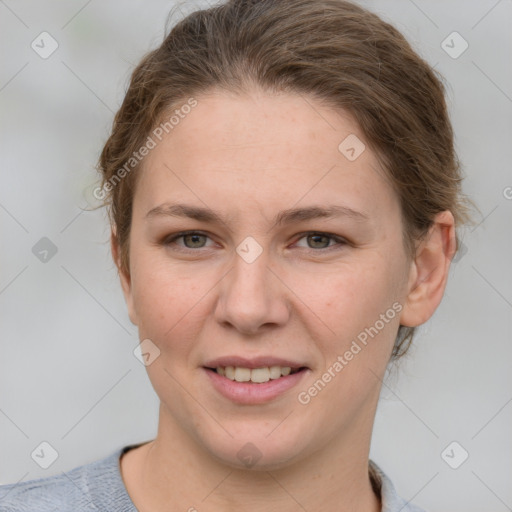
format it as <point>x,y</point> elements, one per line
<point>99,487</point>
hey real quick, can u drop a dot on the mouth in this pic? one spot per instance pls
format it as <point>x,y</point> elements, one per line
<point>260,375</point>
<point>254,386</point>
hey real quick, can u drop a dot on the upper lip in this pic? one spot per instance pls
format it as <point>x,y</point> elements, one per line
<point>255,362</point>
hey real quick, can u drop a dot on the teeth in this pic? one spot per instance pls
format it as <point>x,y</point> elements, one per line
<point>242,374</point>
<point>285,370</point>
<point>257,375</point>
<point>230,372</point>
<point>260,375</point>
<point>275,372</point>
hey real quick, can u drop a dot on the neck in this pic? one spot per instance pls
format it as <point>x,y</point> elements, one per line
<point>173,469</point>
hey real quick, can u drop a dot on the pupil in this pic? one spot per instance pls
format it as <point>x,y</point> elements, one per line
<point>194,237</point>
<point>312,237</point>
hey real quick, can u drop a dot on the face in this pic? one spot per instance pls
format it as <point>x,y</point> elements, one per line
<point>257,243</point>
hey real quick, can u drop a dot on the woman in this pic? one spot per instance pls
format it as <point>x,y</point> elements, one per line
<point>284,197</point>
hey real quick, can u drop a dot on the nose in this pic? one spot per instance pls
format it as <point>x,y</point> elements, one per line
<point>252,297</point>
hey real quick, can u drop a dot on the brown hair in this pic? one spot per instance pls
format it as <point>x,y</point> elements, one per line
<point>333,51</point>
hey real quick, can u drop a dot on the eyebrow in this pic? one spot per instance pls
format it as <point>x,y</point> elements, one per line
<point>282,218</point>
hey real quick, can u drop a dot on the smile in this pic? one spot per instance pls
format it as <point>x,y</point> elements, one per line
<point>255,375</point>
<point>252,386</point>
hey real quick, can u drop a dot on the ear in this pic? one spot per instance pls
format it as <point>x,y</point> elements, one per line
<point>429,271</point>
<point>125,278</point>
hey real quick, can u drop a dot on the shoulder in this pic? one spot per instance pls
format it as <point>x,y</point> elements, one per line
<point>90,487</point>
<point>391,502</point>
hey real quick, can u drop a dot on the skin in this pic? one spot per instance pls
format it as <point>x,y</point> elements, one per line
<point>250,157</point>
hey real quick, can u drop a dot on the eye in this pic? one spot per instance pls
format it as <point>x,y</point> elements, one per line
<point>197,240</point>
<point>318,240</point>
<point>191,240</point>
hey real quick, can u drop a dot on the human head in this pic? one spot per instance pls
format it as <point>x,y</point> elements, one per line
<point>262,65</point>
<point>334,51</point>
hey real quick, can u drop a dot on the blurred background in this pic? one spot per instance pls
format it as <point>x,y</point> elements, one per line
<point>68,373</point>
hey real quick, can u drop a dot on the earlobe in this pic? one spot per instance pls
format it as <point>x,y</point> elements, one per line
<point>429,271</point>
<point>124,277</point>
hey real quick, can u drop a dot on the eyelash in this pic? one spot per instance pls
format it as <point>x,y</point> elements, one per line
<point>341,241</point>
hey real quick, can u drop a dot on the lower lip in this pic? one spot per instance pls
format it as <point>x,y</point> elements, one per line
<point>250,393</point>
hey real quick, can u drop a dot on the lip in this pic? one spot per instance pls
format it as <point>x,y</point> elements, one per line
<point>249,393</point>
<point>256,362</point>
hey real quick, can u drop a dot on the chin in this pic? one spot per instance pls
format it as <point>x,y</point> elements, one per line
<point>258,452</point>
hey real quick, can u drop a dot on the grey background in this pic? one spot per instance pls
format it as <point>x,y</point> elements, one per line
<point>68,375</point>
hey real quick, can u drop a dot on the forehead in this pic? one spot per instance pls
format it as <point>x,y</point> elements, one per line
<point>273,150</point>
<point>284,125</point>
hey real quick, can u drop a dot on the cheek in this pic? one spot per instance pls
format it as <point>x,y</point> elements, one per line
<point>355,353</point>
<point>350,301</point>
<point>349,295</point>
<point>166,298</point>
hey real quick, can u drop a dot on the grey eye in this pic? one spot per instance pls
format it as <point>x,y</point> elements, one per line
<point>319,241</point>
<point>196,240</point>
